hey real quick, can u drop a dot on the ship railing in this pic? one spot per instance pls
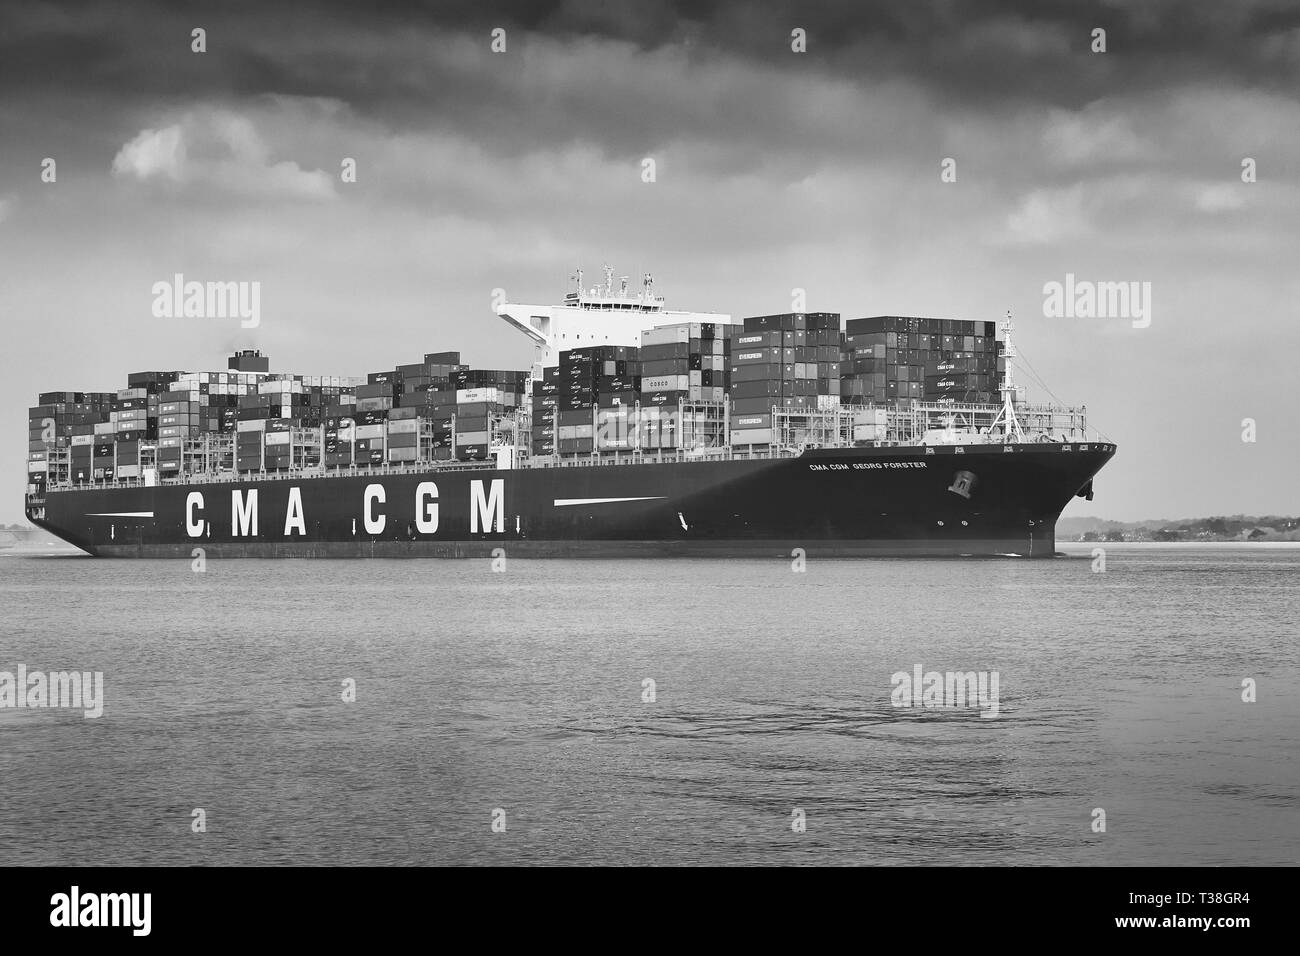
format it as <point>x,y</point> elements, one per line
<point>680,456</point>
<point>583,461</point>
<point>926,423</point>
<point>797,430</point>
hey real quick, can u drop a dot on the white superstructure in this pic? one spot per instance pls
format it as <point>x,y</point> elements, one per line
<point>601,315</point>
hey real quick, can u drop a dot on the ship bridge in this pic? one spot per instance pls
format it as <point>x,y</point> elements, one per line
<point>601,315</point>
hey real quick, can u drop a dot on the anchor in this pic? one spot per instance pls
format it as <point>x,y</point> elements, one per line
<point>963,483</point>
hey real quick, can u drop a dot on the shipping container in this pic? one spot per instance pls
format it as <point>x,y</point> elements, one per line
<point>669,334</point>
<point>762,356</point>
<point>749,406</point>
<point>751,341</point>
<point>575,416</point>
<point>442,358</point>
<point>668,352</point>
<point>760,389</point>
<point>471,424</point>
<point>665,383</point>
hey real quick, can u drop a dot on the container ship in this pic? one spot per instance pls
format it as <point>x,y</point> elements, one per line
<point>638,431</point>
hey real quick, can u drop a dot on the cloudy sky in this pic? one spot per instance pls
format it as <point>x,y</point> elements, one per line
<point>774,170</point>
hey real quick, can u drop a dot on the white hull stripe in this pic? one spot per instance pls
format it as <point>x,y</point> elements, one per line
<point>566,502</point>
<point>119,514</point>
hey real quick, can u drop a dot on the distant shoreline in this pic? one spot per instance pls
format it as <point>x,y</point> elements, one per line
<point>1225,529</point>
<point>1085,545</point>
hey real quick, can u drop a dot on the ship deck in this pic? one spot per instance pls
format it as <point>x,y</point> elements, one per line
<point>607,460</point>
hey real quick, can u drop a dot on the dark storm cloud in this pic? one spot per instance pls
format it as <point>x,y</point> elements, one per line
<point>387,57</point>
<point>776,170</point>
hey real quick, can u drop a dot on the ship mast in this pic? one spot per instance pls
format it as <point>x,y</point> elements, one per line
<point>1007,417</point>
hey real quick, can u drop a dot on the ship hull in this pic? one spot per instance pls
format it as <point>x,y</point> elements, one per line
<point>976,500</point>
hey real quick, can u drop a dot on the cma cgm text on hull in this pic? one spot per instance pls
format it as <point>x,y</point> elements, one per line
<point>486,512</point>
<point>636,427</point>
<point>946,500</point>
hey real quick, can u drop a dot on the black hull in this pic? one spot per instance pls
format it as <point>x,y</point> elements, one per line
<point>832,503</point>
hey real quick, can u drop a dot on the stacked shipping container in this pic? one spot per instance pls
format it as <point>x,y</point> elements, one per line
<point>545,411</point>
<point>429,389</point>
<point>609,399</point>
<point>599,399</point>
<point>787,360</point>
<point>481,397</point>
<point>684,373</point>
<point>292,421</point>
<point>891,359</point>
<point>596,389</point>
<point>61,434</point>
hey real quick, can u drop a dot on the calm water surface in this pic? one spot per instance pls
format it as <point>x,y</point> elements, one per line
<point>523,691</point>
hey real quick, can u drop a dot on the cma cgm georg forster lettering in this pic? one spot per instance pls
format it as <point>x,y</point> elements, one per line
<point>638,431</point>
